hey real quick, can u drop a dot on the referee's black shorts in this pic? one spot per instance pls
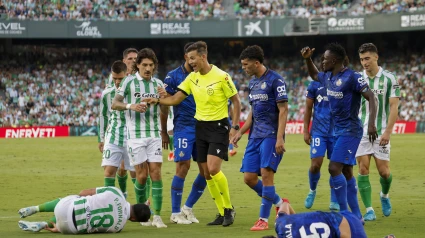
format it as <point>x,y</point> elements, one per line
<point>212,138</point>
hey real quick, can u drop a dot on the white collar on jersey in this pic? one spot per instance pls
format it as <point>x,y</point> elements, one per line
<point>140,77</point>
<point>377,75</point>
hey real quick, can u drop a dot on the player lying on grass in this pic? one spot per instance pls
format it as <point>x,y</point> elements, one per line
<point>317,224</point>
<point>96,210</point>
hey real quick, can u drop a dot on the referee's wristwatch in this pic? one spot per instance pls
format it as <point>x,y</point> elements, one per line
<point>236,127</point>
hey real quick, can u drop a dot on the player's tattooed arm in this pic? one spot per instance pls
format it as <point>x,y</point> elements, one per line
<point>119,105</point>
<point>371,130</point>
<point>306,53</point>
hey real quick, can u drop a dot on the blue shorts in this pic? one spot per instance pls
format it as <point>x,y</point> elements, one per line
<point>345,148</point>
<point>356,226</point>
<point>319,145</point>
<point>184,146</point>
<point>260,153</point>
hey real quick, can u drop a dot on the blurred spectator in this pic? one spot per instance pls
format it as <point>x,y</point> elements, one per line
<point>53,10</point>
<point>388,6</point>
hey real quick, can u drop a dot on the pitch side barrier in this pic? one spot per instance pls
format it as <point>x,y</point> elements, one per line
<point>214,28</point>
<point>292,127</point>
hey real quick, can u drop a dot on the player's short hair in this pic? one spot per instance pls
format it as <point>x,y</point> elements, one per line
<point>119,67</point>
<point>368,47</point>
<point>253,52</point>
<point>142,212</point>
<point>145,53</point>
<point>187,46</point>
<point>337,50</point>
<point>128,51</point>
<point>200,47</point>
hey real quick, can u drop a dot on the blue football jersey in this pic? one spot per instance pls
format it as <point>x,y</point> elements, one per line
<point>184,113</point>
<point>344,94</point>
<point>322,120</point>
<point>310,224</point>
<point>264,94</point>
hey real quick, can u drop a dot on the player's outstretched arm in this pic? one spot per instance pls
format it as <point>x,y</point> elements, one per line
<point>176,99</point>
<point>371,130</point>
<point>283,117</point>
<point>307,118</point>
<point>306,53</point>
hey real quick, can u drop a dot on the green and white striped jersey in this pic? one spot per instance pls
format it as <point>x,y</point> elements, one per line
<point>109,82</point>
<point>384,86</point>
<point>141,125</point>
<point>105,212</point>
<point>111,122</point>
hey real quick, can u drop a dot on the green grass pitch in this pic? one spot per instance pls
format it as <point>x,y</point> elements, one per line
<point>38,170</point>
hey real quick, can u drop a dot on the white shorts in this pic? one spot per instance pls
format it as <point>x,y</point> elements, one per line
<point>379,152</point>
<point>63,214</point>
<point>170,125</point>
<point>144,149</point>
<point>113,155</point>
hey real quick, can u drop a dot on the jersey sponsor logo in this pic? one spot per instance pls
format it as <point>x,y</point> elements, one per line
<point>361,81</point>
<point>145,95</point>
<point>378,91</point>
<point>337,95</point>
<point>261,97</point>
<point>210,91</point>
<point>384,150</point>
<point>338,82</point>
<point>281,91</point>
<point>263,85</point>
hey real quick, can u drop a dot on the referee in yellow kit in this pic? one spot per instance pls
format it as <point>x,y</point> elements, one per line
<point>211,88</point>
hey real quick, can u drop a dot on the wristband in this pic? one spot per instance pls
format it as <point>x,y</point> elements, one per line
<point>128,106</point>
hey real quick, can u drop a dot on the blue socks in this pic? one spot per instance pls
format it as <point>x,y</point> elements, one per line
<point>267,199</point>
<point>352,197</point>
<point>198,188</point>
<point>340,187</point>
<point>258,188</point>
<point>176,194</point>
<point>313,179</point>
<point>333,196</point>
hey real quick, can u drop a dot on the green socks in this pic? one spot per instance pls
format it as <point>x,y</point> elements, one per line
<point>53,219</point>
<point>48,206</point>
<point>140,191</point>
<point>109,182</point>
<point>148,187</point>
<point>386,184</point>
<point>171,145</point>
<point>157,196</point>
<point>365,189</point>
<point>122,182</point>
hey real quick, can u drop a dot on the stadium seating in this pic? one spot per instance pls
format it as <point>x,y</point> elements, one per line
<point>115,11</point>
<point>55,86</point>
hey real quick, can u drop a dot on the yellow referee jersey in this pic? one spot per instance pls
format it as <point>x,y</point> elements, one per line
<point>211,93</point>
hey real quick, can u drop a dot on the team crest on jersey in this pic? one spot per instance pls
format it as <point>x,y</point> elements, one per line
<point>210,91</point>
<point>313,151</point>
<point>381,83</point>
<point>319,98</point>
<point>263,85</point>
<point>338,82</point>
<point>181,154</point>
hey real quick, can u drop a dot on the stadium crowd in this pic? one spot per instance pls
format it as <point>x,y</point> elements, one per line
<point>388,6</point>
<point>117,10</point>
<point>53,86</point>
